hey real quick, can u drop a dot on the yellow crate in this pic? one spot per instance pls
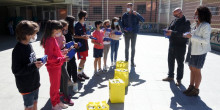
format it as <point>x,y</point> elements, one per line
<point>122,74</point>
<point>97,106</point>
<point>121,65</point>
<point>116,90</point>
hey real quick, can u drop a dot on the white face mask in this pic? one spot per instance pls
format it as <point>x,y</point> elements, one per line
<point>58,34</point>
<point>35,38</point>
<point>128,9</point>
<point>115,23</point>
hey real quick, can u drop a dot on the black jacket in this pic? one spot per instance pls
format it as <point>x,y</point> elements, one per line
<point>26,73</point>
<point>178,27</point>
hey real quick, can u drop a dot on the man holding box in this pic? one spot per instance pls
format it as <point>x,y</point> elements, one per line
<point>177,45</point>
<point>130,25</point>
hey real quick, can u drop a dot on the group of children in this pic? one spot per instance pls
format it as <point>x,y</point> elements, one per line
<point>61,68</point>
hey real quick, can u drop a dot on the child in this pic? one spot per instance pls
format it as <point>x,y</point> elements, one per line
<point>98,46</point>
<point>71,65</point>
<point>55,60</point>
<point>80,36</point>
<point>25,67</point>
<point>115,39</point>
<point>64,75</point>
<point>107,45</point>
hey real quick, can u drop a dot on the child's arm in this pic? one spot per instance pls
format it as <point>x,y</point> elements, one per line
<point>49,49</point>
<point>81,37</point>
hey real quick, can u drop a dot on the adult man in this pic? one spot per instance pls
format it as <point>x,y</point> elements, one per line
<point>130,25</point>
<point>177,45</point>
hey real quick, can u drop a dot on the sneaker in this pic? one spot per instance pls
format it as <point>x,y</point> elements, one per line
<point>168,79</point>
<point>80,77</point>
<point>105,68</point>
<point>100,71</point>
<point>63,106</point>
<point>56,107</point>
<point>190,88</point>
<point>193,92</point>
<point>178,83</point>
<point>96,73</point>
<point>112,64</point>
<point>133,64</point>
<point>75,87</point>
<point>68,101</point>
<point>85,76</point>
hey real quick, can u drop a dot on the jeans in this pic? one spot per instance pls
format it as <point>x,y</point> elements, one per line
<point>29,99</point>
<point>130,37</point>
<point>114,49</point>
<point>176,53</point>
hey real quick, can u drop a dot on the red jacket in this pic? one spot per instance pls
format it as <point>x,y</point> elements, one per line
<point>52,50</point>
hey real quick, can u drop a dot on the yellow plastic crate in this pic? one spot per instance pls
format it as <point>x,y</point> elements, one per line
<point>121,65</point>
<point>122,74</point>
<point>97,106</point>
<point>116,90</point>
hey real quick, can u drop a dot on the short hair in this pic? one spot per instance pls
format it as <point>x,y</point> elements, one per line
<point>131,4</point>
<point>25,28</point>
<point>97,23</point>
<point>82,14</point>
<point>63,22</point>
<point>106,21</point>
<point>204,14</point>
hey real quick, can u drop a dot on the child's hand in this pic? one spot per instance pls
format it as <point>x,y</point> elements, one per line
<point>100,44</point>
<point>76,45</point>
<point>38,64</point>
<point>65,51</point>
<point>67,58</point>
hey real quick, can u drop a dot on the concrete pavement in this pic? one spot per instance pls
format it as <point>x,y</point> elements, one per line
<point>146,91</point>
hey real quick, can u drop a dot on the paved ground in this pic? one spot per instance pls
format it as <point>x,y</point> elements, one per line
<point>146,90</point>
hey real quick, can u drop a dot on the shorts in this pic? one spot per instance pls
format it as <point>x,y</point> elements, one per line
<point>196,61</point>
<point>82,55</point>
<point>29,99</point>
<point>97,53</point>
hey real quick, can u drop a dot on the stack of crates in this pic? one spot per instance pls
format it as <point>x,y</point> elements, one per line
<point>97,106</point>
<point>116,90</point>
<point>120,81</point>
<point>122,74</point>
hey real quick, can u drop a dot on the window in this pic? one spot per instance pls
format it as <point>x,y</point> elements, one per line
<point>214,10</point>
<point>97,10</point>
<point>141,9</point>
<point>118,9</point>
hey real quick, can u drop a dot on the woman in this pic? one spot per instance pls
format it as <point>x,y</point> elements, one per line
<point>198,47</point>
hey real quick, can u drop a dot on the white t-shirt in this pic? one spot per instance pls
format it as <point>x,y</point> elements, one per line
<point>106,35</point>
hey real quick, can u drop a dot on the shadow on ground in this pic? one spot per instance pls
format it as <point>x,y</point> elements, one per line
<point>47,106</point>
<point>182,102</point>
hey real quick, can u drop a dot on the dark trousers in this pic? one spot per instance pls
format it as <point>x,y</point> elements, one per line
<point>130,37</point>
<point>72,69</point>
<point>64,80</point>
<point>176,53</point>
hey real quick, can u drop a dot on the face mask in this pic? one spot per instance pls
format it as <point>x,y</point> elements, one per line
<point>108,26</point>
<point>85,19</point>
<point>128,9</point>
<point>58,34</point>
<point>115,23</point>
<point>65,32</point>
<point>35,38</point>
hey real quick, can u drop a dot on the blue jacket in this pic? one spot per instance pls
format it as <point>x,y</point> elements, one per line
<point>134,24</point>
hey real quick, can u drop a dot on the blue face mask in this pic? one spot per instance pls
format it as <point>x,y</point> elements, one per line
<point>108,26</point>
<point>115,23</point>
